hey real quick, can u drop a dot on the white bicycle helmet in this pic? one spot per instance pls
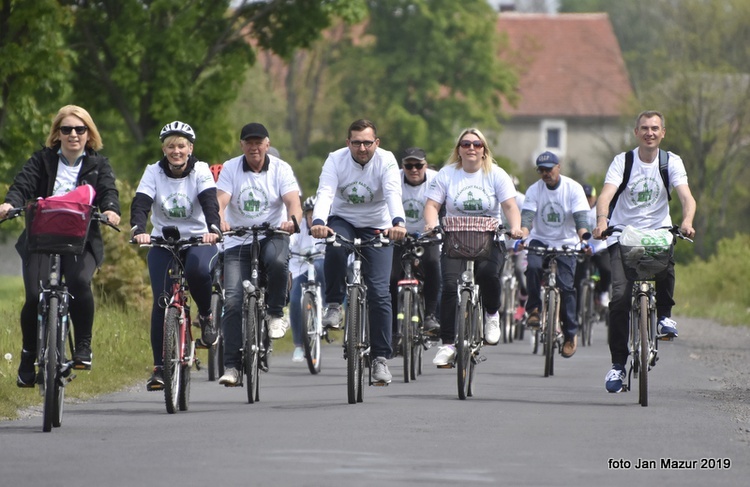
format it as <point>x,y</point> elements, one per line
<point>309,203</point>
<point>177,128</point>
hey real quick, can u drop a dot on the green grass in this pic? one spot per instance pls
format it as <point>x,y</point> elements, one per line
<point>121,346</point>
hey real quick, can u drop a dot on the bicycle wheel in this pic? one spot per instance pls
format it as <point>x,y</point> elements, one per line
<point>508,311</point>
<point>52,389</point>
<point>477,325</point>
<point>404,317</point>
<point>550,334</point>
<point>584,315</point>
<point>353,333</point>
<point>216,352</point>
<point>463,344</point>
<point>418,340</point>
<point>365,360</point>
<point>311,338</point>
<point>251,346</point>
<point>644,351</point>
<point>183,398</point>
<point>172,367</point>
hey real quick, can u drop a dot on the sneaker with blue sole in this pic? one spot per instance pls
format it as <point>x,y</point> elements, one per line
<point>613,381</point>
<point>667,327</point>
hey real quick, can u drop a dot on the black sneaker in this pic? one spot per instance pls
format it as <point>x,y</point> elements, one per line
<point>82,356</point>
<point>26,371</point>
<point>431,326</point>
<point>156,381</point>
<point>209,334</point>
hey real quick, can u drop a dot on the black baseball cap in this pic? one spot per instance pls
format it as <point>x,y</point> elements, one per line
<point>253,129</point>
<point>414,153</point>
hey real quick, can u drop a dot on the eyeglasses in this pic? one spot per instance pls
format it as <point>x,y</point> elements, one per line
<point>360,143</point>
<point>409,167</point>
<point>80,129</point>
<point>541,169</point>
<point>478,144</point>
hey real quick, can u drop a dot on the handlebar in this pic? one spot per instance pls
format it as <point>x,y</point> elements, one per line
<point>338,240</point>
<point>95,216</point>
<point>674,230</point>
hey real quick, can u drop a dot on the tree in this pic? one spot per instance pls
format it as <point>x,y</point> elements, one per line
<point>34,77</point>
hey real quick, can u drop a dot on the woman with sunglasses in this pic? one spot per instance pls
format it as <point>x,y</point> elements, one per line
<point>471,184</point>
<point>69,159</point>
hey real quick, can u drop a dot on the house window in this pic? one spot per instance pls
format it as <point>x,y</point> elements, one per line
<point>553,136</point>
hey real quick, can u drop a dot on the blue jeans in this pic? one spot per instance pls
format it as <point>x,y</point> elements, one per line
<point>376,267</point>
<point>197,263</point>
<point>274,264</point>
<point>566,269</point>
<point>295,297</point>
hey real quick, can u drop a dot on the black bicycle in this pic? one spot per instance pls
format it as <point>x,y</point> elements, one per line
<point>216,351</point>
<point>55,368</point>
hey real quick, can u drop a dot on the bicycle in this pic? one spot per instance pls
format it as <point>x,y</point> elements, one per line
<point>410,309</point>
<point>216,351</point>
<point>509,296</point>
<point>356,324</point>
<point>469,238</point>
<point>179,346</point>
<point>311,302</point>
<point>256,343</point>
<point>587,313</point>
<point>55,368</point>
<point>550,333</point>
<point>641,264</point>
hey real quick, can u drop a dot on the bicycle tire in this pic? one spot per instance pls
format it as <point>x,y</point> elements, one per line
<point>187,350</point>
<point>311,338</point>
<point>417,345</point>
<point>550,334</point>
<point>534,337</point>
<point>353,359</point>
<point>365,360</point>
<point>591,315</point>
<point>508,311</point>
<point>216,352</point>
<point>405,316</point>
<point>172,367</point>
<point>643,323</point>
<point>51,385</point>
<point>251,346</point>
<point>463,345</point>
<point>475,332</point>
<point>584,315</point>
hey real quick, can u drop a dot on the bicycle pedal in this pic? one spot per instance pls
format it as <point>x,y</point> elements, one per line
<point>446,366</point>
<point>81,366</point>
<point>477,359</point>
<point>665,338</point>
<point>381,384</point>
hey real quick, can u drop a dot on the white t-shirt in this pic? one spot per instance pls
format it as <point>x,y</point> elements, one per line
<point>643,203</point>
<point>472,194</point>
<point>414,198</point>
<point>366,196</point>
<point>66,179</point>
<point>303,243</point>
<point>553,223</point>
<point>255,197</point>
<point>176,199</point>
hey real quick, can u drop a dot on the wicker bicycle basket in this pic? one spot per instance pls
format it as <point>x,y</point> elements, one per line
<point>468,237</point>
<point>651,257</point>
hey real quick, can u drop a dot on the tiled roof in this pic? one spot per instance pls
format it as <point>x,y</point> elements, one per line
<point>571,65</point>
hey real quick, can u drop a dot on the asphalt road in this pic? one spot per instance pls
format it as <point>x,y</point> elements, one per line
<point>519,429</point>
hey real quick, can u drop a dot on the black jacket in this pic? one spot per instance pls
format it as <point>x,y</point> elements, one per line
<point>37,179</point>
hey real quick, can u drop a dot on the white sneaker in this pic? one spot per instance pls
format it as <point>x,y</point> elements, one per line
<point>492,328</point>
<point>231,377</point>
<point>298,355</point>
<point>445,356</point>
<point>277,326</point>
<point>604,299</point>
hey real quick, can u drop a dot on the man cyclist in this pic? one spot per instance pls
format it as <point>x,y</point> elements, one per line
<point>644,203</point>
<point>556,211</point>
<point>359,195</point>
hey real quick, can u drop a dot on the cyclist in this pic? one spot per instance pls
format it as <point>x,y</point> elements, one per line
<point>301,243</point>
<point>359,195</point>
<point>555,213</point>
<point>599,254</point>
<point>471,184</point>
<point>255,188</point>
<point>644,203</point>
<point>69,159</point>
<point>415,178</point>
<point>178,190</point>
<point>518,255</point>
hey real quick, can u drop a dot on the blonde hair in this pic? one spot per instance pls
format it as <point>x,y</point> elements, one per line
<point>172,138</point>
<point>487,159</point>
<point>94,141</point>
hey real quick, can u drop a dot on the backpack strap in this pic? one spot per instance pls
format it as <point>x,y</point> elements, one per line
<point>664,170</point>
<point>625,178</point>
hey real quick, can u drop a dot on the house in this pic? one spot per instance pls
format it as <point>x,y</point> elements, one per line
<point>574,91</point>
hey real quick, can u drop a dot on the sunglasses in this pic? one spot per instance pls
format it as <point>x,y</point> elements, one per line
<point>360,143</point>
<point>478,144</point>
<point>409,167</point>
<point>80,129</point>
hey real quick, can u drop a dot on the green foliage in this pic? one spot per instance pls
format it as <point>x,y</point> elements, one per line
<point>706,288</point>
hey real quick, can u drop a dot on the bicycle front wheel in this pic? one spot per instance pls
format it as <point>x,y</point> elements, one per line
<point>584,315</point>
<point>251,347</point>
<point>404,318</point>
<point>418,337</point>
<point>187,351</point>
<point>550,334</point>
<point>463,344</point>
<point>216,352</point>
<point>52,390</point>
<point>172,366</point>
<point>354,363</point>
<point>311,330</point>
<point>644,351</point>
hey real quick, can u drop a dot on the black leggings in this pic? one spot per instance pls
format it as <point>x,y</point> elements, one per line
<point>78,270</point>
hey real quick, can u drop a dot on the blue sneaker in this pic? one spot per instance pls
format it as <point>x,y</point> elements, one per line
<point>614,378</point>
<point>667,327</point>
